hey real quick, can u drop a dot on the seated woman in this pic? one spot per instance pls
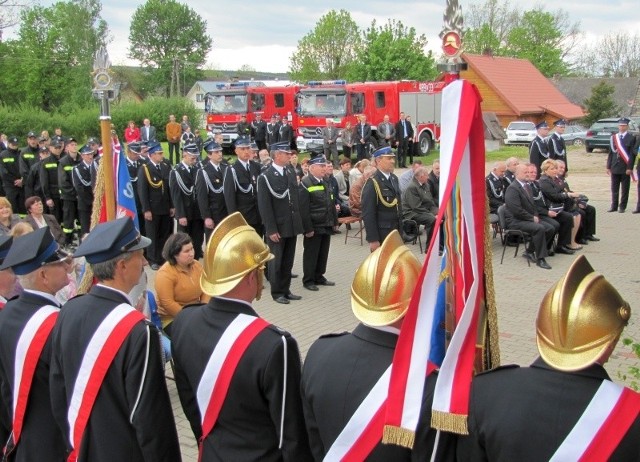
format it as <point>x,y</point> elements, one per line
<point>8,219</point>
<point>587,212</point>
<point>178,279</point>
<point>38,219</point>
<point>355,192</point>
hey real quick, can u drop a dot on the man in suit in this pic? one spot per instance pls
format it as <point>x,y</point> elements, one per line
<point>258,415</point>
<point>240,183</point>
<point>381,200</point>
<point>209,189</point>
<point>404,134</point>
<point>359,360</point>
<point>521,213</point>
<point>557,407</point>
<point>539,149</point>
<point>557,146</point>
<point>107,374</point>
<point>330,142</point>
<point>620,161</point>
<point>155,199</point>
<point>495,186</point>
<point>386,132</point>
<point>417,202</point>
<point>285,131</point>
<point>84,178</point>
<point>41,267</point>
<point>272,131</point>
<point>279,204</point>
<point>362,134</point>
<point>259,131</point>
<point>147,131</point>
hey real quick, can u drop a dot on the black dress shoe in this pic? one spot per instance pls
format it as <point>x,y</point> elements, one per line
<point>326,283</point>
<point>582,241</point>
<point>282,299</point>
<point>551,252</point>
<point>592,238</point>
<point>621,210</point>
<point>612,209</point>
<point>293,276</point>
<point>565,250</point>
<point>636,211</point>
<point>543,264</point>
<point>290,296</point>
<point>155,266</point>
<point>311,287</point>
<point>530,256</point>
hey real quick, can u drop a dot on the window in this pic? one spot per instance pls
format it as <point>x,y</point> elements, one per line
<point>199,97</point>
<point>379,97</point>
<point>279,99</point>
<point>357,103</point>
<point>257,102</point>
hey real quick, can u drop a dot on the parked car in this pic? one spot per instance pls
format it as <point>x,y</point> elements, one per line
<point>599,134</point>
<point>574,134</point>
<point>520,132</point>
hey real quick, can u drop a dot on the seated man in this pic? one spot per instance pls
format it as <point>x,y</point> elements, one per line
<point>418,204</point>
<point>521,213</point>
<point>564,406</point>
<point>407,176</point>
<point>496,186</point>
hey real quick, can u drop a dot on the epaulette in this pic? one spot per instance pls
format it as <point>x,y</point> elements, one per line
<point>279,330</point>
<point>334,334</point>
<point>499,368</point>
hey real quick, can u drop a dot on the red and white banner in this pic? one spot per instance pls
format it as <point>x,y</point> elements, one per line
<point>462,192</point>
<point>619,148</point>
<point>605,421</point>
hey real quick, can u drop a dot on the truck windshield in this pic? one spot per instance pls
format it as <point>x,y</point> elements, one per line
<point>323,104</point>
<point>226,103</point>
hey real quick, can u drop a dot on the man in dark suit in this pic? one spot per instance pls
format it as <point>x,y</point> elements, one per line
<point>539,149</point>
<point>147,131</point>
<point>556,407</point>
<point>153,187</point>
<point>620,160</point>
<point>240,181</point>
<point>404,134</point>
<point>258,416</point>
<point>272,131</point>
<point>279,204</point>
<point>84,178</point>
<point>495,185</point>
<point>557,146</point>
<point>23,322</point>
<point>362,135</point>
<point>417,203</point>
<point>358,361</point>
<point>386,132</point>
<point>107,364</point>
<point>259,131</point>
<point>209,189</point>
<point>381,200</point>
<point>521,213</point>
<point>285,131</point>
<point>330,142</point>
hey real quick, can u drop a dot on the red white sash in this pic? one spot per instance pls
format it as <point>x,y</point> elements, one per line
<point>364,429</point>
<point>28,351</point>
<point>102,349</point>
<point>215,381</point>
<point>605,421</point>
<point>619,147</point>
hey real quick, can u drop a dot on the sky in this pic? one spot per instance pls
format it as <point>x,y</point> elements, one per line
<point>264,35</point>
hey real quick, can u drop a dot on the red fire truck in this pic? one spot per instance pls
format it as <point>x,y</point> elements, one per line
<point>342,102</point>
<point>229,101</point>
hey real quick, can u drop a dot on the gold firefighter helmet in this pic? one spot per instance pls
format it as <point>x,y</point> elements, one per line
<point>384,282</point>
<point>580,317</point>
<point>234,250</point>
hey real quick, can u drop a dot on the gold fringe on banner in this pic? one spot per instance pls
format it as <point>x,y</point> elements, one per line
<point>493,356</point>
<point>453,423</point>
<point>398,436</point>
<point>98,194</point>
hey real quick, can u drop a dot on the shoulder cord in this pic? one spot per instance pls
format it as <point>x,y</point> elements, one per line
<point>493,190</point>
<point>207,181</point>
<point>181,185</point>
<point>235,180</point>
<point>540,150</point>
<point>393,203</point>
<point>284,390</point>
<point>84,182</point>
<point>273,193</point>
<point>553,143</point>
<point>156,185</point>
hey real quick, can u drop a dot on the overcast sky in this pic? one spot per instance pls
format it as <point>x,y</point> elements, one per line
<point>264,34</point>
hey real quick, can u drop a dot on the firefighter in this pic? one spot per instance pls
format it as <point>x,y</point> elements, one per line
<point>67,191</point>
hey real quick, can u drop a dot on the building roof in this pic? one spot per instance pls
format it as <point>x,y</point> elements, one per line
<point>577,89</point>
<point>522,86</point>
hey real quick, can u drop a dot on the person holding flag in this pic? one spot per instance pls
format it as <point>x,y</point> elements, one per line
<point>564,407</point>
<point>620,160</point>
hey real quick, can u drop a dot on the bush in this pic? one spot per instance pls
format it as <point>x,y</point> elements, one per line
<point>633,378</point>
<point>83,123</point>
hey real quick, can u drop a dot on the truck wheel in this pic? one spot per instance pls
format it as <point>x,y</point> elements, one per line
<point>426,143</point>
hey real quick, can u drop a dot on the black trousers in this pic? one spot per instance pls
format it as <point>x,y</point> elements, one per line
<point>587,221</point>
<point>541,234</point>
<point>565,220</point>
<point>346,152</point>
<point>361,151</point>
<point>262,144</point>
<point>85,221</point>
<point>403,148</point>
<point>195,229</point>
<point>16,198</point>
<point>315,256</point>
<point>620,183</point>
<point>69,217</point>
<point>174,148</point>
<point>56,210</point>
<point>158,229</point>
<point>279,269</point>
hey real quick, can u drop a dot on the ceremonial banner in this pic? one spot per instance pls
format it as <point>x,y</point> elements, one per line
<point>462,200</point>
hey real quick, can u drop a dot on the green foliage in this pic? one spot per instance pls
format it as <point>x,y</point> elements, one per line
<point>600,104</point>
<point>328,51</point>
<point>171,39</point>
<point>482,40</point>
<point>392,52</point>
<point>633,379</point>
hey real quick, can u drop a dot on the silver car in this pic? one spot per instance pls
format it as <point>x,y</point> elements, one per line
<point>574,134</point>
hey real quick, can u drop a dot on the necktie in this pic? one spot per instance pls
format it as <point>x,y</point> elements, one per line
<point>404,128</point>
<point>527,188</point>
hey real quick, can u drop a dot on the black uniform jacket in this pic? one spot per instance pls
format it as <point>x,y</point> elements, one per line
<point>317,206</point>
<point>184,200</point>
<point>558,149</point>
<point>524,414</point>
<point>65,170</point>
<point>279,215</point>
<point>83,179</point>
<point>495,191</point>
<point>538,152</point>
<point>28,158</point>
<point>9,167</point>
<point>251,419</point>
<point>49,177</point>
<point>210,194</point>
<point>615,162</point>
<point>238,201</point>
<point>41,439</point>
<point>132,418</point>
<point>339,372</point>
<point>154,195</point>
<point>378,218</point>
<point>554,192</point>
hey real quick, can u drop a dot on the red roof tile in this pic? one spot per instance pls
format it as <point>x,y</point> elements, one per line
<point>522,87</point>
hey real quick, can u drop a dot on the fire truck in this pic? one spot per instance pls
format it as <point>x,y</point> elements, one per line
<point>230,101</point>
<point>343,102</point>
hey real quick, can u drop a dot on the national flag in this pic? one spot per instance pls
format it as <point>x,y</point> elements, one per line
<point>123,188</point>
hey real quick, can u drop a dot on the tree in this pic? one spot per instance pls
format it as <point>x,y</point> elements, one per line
<point>328,51</point>
<point>10,13</point>
<point>171,39</point>
<point>601,103</point>
<point>392,52</point>
<point>488,26</point>
<point>619,54</point>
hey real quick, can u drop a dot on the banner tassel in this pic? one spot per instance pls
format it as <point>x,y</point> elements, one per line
<point>453,423</point>
<point>98,195</point>
<point>398,436</point>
